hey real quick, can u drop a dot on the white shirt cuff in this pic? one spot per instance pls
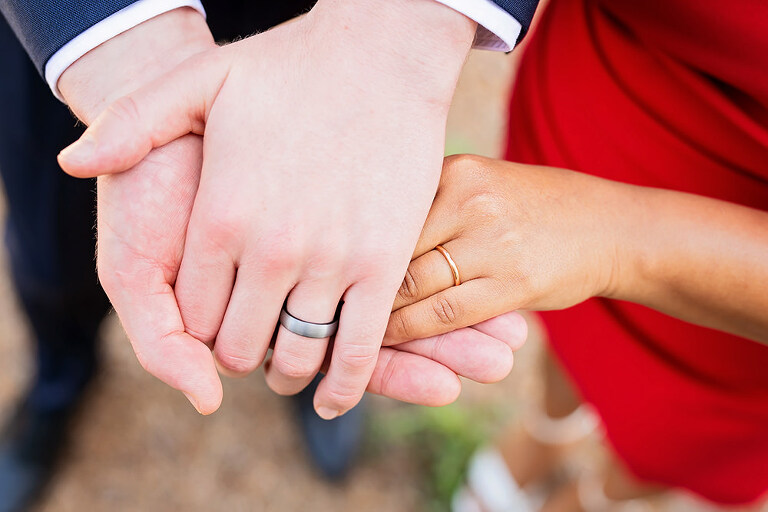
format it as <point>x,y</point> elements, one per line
<point>121,21</point>
<point>497,29</point>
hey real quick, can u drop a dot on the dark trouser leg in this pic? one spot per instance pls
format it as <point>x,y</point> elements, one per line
<point>50,231</point>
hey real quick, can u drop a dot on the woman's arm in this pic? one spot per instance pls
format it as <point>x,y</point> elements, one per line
<point>698,259</point>
<point>529,237</point>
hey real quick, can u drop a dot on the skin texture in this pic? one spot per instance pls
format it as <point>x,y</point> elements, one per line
<point>539,238</point>
<point>177,234</point>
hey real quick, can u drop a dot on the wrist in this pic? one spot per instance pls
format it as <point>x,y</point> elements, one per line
<point>133,59</point>
<point>422,42</point>
<point>632,248</point>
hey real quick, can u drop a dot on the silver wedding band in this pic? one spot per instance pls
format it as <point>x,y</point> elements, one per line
<point>308,329</point>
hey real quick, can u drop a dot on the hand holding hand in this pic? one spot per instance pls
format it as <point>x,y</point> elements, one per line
<point>301,195</point>
<point>522,237</point>
<point>529,237</point>
<point>242,220</point>
<point>143,213</point>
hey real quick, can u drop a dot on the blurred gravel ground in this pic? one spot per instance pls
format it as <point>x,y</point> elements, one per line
<point>139,446</point>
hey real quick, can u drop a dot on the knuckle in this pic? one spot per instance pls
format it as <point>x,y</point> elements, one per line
<point>128,280</point>
<point>279,261</point>
<point>356,358</point>
<point>292,366</point>
<point>402,326</point>
<point>156,358</point>
<point>279,252</point>
<point>125,109</point>
<point>464,162</point>
<point>409,289</point>
<point>225,227</point>
<point>112,276</point>
<point>200,332</point>
<point>325,260</point>
<point>389,370</point>
<point>236,363</point>
<point>486,204</point>
<point>373,262</point>
<point>438,347</point>
<point>446,310</point>
<point>343,397</point>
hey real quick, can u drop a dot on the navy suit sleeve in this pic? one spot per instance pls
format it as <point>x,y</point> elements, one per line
<point>521,10</point>
<point>44,26</point>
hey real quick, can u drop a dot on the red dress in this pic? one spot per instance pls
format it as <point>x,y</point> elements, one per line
<point>671,94</point>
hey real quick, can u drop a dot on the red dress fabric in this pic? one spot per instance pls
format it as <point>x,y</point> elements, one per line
<point>671,94</point>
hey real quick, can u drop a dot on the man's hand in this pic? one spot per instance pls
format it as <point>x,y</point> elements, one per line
<point>143,213</point>
<point>323,147</point>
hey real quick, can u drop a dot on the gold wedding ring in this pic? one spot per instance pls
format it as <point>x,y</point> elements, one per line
<point>451,263</point>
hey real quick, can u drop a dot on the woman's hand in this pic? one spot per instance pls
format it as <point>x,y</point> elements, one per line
<point>529,237</point>
<point>522,237</point>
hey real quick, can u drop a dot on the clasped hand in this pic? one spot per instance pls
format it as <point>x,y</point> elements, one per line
<point>312,188</point>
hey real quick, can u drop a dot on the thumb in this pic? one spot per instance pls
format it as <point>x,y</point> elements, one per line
<point>168,108</point>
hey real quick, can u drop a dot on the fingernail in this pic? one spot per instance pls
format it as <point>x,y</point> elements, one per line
<point>193,401</point>
<point>79,151</point>
<point>327,413</point>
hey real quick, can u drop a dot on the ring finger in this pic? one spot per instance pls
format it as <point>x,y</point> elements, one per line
<point>436,271</point>
<point>297,359</point>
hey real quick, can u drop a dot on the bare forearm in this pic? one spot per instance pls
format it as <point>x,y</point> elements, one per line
<point>699,259</point>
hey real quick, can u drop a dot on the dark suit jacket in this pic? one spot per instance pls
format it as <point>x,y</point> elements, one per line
<point>44,26</point>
